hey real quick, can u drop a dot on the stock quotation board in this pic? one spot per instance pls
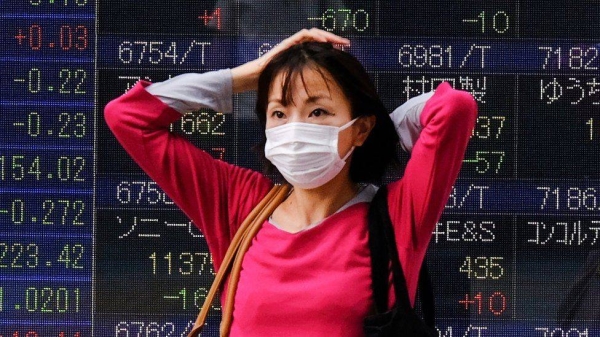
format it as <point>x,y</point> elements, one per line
<point>90,246</point>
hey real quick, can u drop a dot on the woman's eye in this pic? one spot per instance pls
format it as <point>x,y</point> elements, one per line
<point>318,112</point>
<point>277,114</point>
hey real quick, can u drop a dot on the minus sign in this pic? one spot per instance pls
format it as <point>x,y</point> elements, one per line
<point>19,80</point>
<point>18,124</point>
<point>470,20</point>
<point>4,211</point>
<point>171,297</point>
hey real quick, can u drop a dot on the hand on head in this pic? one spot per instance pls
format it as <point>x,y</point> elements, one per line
<point>305,35</point>
<point>245,76</point>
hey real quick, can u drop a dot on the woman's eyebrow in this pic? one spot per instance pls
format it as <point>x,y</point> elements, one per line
<point>312,99</point>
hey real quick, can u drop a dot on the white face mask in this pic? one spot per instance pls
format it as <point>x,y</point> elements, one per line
<point>306,154</point>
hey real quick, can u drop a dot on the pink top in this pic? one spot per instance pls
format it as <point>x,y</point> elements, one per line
<point>316,282</point>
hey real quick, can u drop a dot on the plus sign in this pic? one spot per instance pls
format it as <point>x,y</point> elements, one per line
<point>216,15</point>
<point>205,17</point>
<point>467,302</point>
<point>20,36</point>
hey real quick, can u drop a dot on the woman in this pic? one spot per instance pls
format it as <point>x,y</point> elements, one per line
<point>307,272</point>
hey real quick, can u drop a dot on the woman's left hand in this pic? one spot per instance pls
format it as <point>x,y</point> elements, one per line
<point>245,76</point>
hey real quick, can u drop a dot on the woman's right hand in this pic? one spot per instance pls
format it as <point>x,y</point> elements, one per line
<point>245,76</point>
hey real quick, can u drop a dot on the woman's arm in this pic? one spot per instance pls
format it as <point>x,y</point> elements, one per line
<point>407,120</point>
<point>214,194</point>
<point>447,118</point>
<point>417,200</point>
<point>189,92</point>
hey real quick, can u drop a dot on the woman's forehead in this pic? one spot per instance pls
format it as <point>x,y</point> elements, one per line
<point>309,83</point>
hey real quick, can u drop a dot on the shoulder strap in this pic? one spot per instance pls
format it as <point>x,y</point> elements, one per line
<point>383,250</point>
<point>233,258</point>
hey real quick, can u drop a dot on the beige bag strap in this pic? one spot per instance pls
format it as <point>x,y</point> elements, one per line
<point>233,259</point>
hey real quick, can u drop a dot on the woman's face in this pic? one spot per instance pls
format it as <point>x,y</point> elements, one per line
<point>321,101</point>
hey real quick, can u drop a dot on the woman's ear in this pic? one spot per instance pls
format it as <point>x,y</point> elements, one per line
<point>363,127</point>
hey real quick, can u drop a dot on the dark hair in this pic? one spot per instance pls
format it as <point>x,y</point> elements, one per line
<point>370,160</point>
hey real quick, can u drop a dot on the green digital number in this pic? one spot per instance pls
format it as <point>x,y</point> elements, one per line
<point>71,256</point>
<point>52,300</point>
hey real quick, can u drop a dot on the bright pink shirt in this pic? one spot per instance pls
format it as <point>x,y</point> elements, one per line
<point>316,282</point>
